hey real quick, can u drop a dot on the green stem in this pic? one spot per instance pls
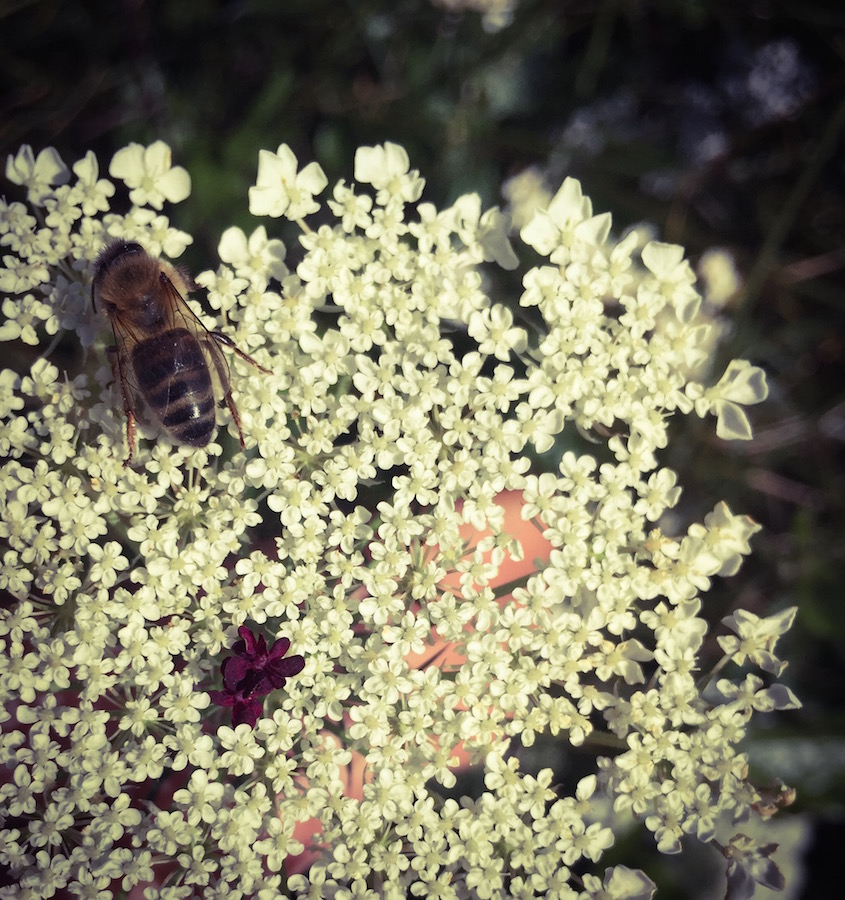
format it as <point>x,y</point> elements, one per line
<point>706,679</point>
<point>504,589</point>
<point>595,54</point>
<point>604,739</point>
<point>783,222</point>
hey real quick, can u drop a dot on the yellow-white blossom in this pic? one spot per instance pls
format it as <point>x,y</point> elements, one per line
<point>362,538</point>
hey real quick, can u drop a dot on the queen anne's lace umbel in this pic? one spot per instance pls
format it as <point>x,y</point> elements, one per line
<point>365,525</point>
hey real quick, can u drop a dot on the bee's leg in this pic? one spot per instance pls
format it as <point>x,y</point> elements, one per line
<point>222,372</point>
<point>228,342</point>
<point>117,374</point>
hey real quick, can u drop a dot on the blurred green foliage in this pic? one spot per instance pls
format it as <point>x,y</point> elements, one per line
<point>720,123</point>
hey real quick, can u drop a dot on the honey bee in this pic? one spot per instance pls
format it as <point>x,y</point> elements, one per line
<point>162,350</point>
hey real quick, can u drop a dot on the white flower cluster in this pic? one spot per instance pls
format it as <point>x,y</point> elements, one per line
<point>365,523</point>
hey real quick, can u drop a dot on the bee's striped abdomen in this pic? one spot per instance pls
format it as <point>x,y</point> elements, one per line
<point>172,374</point>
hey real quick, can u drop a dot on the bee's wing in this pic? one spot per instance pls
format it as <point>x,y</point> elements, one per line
<point>181,314</point>
<point>184,317</point>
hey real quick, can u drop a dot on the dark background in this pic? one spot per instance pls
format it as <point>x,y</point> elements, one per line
<point>719,122</point>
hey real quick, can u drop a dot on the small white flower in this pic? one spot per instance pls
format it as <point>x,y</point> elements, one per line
<point>741,385</point>
<point>281,190</point>
<point>93,192</point>
<point>39,174</point>
<point>387,168</point>
<point>352,209</point>
<point>255,258</point>
<point>150,175</point>
<point>553,228</point>
<point>240,749</point>
<point>756,637</point>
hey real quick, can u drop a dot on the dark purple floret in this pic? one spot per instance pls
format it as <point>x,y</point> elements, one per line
<point>252,673</point>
